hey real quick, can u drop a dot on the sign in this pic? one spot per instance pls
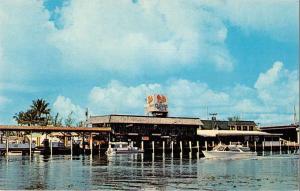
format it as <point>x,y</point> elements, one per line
<point>157,103</point>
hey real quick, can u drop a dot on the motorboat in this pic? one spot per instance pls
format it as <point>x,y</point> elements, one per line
<point>229,152</point>
<point>121,148</point>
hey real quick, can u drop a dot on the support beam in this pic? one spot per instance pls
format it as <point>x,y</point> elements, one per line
<point>71,144</point>
<point>30,143</point>
<point>152,146</point>
<point>91,143</point>
<point>142,145</point>
<point>180,144</point>
<point>7,142</point>
<point>51,151</point>
<point>172,148</point>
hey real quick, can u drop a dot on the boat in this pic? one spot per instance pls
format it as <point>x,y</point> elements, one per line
<point>121,148</point>
<point>229,152</point>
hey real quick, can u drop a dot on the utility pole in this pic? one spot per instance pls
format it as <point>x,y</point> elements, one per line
<point>214,119</point>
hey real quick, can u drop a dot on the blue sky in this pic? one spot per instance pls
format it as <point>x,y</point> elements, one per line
<point>232,57</point>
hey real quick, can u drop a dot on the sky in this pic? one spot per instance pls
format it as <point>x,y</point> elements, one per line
<point>234,58</point>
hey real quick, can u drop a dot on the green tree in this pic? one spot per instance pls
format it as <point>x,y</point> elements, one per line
<point>234,118</point>
<point>69,121</point>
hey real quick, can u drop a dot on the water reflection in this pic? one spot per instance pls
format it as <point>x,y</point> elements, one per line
<point>147,171</point>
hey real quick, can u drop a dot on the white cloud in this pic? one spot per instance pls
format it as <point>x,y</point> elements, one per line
<point>192,98</point>
<point>276,18</point>
<point>141,36</point>
<point>64,107</point>
<point>24,47</point>
<point>4,100</point>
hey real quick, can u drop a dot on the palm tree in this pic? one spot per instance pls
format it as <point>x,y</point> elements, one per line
<point>41,110</point>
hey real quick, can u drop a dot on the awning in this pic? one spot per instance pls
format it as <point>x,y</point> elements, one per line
<point>220,133</point>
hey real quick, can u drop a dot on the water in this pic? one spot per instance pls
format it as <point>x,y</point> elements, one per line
<point>141,172</point>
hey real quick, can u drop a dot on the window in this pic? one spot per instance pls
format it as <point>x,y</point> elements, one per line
<point>251,128</point>
<point>238,128</point>
<point>245,128</point>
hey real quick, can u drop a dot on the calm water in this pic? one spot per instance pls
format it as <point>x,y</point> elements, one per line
<point>136,172</point>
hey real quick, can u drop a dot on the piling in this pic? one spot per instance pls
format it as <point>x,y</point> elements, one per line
<point>51,147</point>
<point>190,145</point>
<point>7,141</point>
<point>30,143</point>
<point>152,146</point>
<point>71,144</point>
<point>198,146</point>
<point>163,146</point>
<point>172,148</point>
<point>213,143</point>
<point>180,143</point>
<point>255,146</point>
<point>247,143</point>
<point>206,145</point>
<point>91,143</point>
<point>142,145</point>
<point>280,152</point>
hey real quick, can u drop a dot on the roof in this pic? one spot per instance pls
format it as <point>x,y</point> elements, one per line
<point>224,125</point>
<point>134,119</point>
<point>220,133</point>
<point>52,129</point>
<point>279,127</point>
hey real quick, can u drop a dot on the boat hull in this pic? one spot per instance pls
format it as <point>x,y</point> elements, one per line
<point>228,154</point>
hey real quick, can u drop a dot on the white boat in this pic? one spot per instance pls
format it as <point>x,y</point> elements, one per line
<point>121,148</point>
<point>229,152</point>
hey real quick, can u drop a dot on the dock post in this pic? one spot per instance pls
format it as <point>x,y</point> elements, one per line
<point>51,147</point>
<point>190,145</point>
<point>255,146</point>
<point>142,145</point>
<point>152,146</point>
<point>247,143</point>
<point>30,143</point>
<point>206,145</point>
<point>91,143</point>
<point>71,143</point>
<point>163,146</point>
<point>271,145</point>
<point>263,147</point>
<point>7,141</point>
<point>229,142</point>
<point>99,147</point>
<point>180,143</point>
<point>83,145</point>
<point>280,152</point>
<point>213,143</point>
<point>172,148</point>
<point>198,146</point>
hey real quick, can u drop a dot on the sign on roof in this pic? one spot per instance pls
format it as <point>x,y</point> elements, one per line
<point>157,103</point>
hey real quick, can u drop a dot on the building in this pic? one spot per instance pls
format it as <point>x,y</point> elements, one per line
<point>228,125</point>
<point>147,128</point>
<point>289,132</point>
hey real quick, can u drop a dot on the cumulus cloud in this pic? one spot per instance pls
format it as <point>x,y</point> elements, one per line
<point>141,36</point>
<point>274,94</point>
<point>276,18</point>
<point>64,107</point>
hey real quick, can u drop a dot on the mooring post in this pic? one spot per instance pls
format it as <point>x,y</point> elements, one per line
<point>180,143</point>
<point>91,143</point>
<point>83,144</point>
<point>198,146</point>
<point>51,147</point>
<point>247,143</point>
<point>7,141</point>
<point>255,146</point>
<point>30,143</point>
<point>152,146</point>
<point>271,145</point>
<point>190,145</point>
<point>280,152</point>
<point>163,146</point>
<point>172,148</point>
<point>213,143</point>
<point>99,147</point>
<point>229,142</point>
<point>71,144</point>
<point>206,145</point>
<point>142,145</point>
<point>263,147</point>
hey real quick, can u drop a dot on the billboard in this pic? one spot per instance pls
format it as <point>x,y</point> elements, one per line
<point>157,103</point>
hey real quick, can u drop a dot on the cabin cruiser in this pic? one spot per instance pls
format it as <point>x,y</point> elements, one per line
<point>121,148</point>
<point>229,152</point>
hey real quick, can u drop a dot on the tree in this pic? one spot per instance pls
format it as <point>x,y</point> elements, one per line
<point>69,121</point>
<point>234,118</point>
<point>56,121</point>
<point>38,113</point>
